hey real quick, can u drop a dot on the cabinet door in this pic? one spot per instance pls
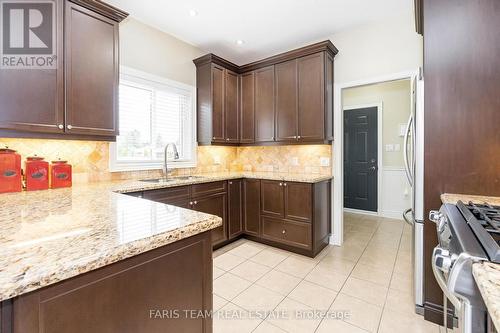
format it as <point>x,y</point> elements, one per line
<point>286,101</point>
<point>247,109</point>
<point>251,206</point>
<point>311,97</point>
<point>272,198</point>
<point>298,201</point>
<point>216,205</point>
<point>91,60</point>
<point>33,99</point>
<point>273,229</point>
<point>264,104</point>
<point>235,197</point>
<point>231,111</point>
<point>297,234</point>
<point>218,124</point>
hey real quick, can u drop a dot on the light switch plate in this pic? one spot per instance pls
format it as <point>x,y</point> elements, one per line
<point>294,161</point>
<point>389,147</point>
<point>324,161</point>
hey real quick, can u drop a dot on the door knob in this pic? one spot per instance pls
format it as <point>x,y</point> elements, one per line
<point>373,168</point>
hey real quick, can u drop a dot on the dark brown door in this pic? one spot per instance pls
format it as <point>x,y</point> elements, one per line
<point>231,107</point>
<point>33,99</point>
<point>264,104</point>
<point>235,200</point>
<point>272,198</point>
<point>360,159</point>
<point>286,101</point>
<point>218,124</point>
<point>247,108</point>
<point>251,206</point>
<point>216,205</point>
<point>91,57</point>
<point>298,201</point>
<point>311,97</point>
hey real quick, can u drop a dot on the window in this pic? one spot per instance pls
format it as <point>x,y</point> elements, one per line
<point>153,112</point>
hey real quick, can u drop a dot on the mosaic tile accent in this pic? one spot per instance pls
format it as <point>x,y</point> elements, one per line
<point>90,159</point>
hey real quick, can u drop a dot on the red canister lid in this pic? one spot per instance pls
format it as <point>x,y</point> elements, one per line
<point>6,150</point>
<point>35,158</point>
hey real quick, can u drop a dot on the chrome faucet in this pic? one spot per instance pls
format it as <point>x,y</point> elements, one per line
<point>165,163</point>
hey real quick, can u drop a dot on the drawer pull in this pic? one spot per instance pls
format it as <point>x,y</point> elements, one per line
<point>281,184</point>
<point>284,184</point>
<point>283,232</point>
<point>195,202</point>
<point>190,203</point>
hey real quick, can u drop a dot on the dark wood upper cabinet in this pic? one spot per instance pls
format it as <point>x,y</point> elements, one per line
<point>286,101</point>
<point>32,100</point>
<point>264,105</point>
<point>218,123</point>
<point>251,206</point>
<point>91,68</point>
<point>247,107</point>
<point>78,99</point>
<point>282,99</point>
<point>235,205</point>
<point>231,109</point>
<point>311,91</point>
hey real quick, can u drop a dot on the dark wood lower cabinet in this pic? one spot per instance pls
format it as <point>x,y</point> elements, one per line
<point>127,296</point>
<point>290,215</point>
<point>251,206</point>
<point>215,204</point>
<point>235,205</point>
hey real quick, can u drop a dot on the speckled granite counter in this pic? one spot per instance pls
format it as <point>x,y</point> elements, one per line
<point>49,236</point>
<point>487,276</point>
<point>453,198</point>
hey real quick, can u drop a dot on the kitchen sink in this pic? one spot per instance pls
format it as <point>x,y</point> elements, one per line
<point>170,179</point>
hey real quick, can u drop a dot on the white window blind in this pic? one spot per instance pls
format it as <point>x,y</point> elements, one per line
<point>152,113</point>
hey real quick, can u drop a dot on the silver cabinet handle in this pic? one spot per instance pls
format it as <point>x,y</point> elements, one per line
<point>190,203</point>
<point>60,126</point>
<point>298,137</point>
<point>281,184</point>
<point>213,138</point>
<point>272,138</point>
<point>69,127</point>
<point>283,232</point>
<point>227,139</point>
<point>284,184</point>
<point>195,202</point>
<point>230,183</point>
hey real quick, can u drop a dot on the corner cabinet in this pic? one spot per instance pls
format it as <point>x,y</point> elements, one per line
<point>287,98</point>
<point>77,99</point>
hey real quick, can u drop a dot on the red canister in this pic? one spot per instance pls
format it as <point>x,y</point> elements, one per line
<point>60,174</point>
<point>37,174</point>
<point>10,171</point>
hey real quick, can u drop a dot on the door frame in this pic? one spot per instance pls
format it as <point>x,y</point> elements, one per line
<point>380,114</point>
<point>337,237</point>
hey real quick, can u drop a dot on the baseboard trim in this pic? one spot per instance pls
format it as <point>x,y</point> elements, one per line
<point>359,211</point>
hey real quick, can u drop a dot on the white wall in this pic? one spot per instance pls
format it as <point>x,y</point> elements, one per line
<point>376,50</point>
<point>150,50</point>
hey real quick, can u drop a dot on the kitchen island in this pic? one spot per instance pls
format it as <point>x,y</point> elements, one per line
<point>87,259</point>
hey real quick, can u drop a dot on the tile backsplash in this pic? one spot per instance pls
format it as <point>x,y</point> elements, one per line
<point>90,159</point>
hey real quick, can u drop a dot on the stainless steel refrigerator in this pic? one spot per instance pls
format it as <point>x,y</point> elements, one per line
<point>413,150</point>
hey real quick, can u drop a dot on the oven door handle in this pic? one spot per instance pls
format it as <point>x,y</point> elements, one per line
<point>441,280</point>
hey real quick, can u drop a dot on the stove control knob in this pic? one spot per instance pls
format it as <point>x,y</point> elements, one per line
<point>443,262</point>
<point>435,216</point>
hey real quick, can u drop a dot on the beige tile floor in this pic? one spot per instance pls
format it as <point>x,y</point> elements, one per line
<point>370,277</point>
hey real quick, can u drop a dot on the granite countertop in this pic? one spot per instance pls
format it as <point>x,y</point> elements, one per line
<point>453,198</point>
<point>49,236</point>
<point>487,276</point>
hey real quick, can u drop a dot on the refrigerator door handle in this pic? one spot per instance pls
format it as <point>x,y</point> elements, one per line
<point>409,176</point>
<point>405,217</point>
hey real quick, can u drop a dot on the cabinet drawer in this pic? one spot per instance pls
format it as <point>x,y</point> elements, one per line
<point>198,190</point>
<point>297,234</point>
<point>168,195</point>
<point>273,229</point>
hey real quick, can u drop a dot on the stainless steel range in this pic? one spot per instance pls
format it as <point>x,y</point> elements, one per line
<point>467,233</point>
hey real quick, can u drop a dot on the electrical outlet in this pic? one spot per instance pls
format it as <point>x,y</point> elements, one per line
<point>389,147</point>
<point>217,160</point>
<point>294,161</point>
<point>324,161</point>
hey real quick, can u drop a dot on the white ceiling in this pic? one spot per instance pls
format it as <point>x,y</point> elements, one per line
<point>267,27</point>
